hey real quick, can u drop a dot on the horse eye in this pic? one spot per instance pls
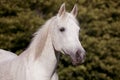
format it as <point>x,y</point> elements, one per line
<point>62,29</point>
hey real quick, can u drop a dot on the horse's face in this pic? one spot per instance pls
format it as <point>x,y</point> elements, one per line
<point>66,35</point>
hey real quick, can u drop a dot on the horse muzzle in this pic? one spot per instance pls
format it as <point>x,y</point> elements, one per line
<point>78,57</point>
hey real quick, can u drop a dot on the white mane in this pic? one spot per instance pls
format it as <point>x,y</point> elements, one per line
<point>39,39</point>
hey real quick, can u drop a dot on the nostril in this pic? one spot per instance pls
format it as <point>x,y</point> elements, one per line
<point>78,55</point>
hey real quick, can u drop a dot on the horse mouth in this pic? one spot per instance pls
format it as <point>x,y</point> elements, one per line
<point>77,58</point>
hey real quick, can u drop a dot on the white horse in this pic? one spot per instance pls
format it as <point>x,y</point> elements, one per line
<point>39,60</point>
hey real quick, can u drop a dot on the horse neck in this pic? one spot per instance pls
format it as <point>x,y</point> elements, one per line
<point>41,68</point>
<point>41,53</point>
<point>38,42</point>
<point>48,55</point>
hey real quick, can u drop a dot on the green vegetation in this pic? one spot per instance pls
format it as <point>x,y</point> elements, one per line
<point>100,33</point>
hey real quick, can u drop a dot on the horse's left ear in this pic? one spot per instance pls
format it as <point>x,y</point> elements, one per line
<point>74,11</point>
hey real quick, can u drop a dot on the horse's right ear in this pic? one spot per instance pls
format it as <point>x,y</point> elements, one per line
<point>62,10</point>
<point>74,11</point>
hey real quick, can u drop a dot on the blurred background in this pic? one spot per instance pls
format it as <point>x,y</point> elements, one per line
<point>100,33</point>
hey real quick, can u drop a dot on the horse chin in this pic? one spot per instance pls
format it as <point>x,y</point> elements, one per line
<point>75,63</point>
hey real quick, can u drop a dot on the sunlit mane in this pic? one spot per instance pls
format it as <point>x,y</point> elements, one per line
<point>40,37</point>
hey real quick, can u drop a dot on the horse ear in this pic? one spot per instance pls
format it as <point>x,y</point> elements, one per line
<point>74,11</point>
<point>62,10</point>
